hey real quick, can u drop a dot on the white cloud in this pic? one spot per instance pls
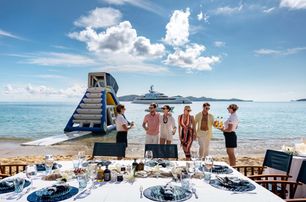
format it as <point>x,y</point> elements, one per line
<point>49,76</point>
<point>228,10</point>
<point>269,10</point>
<point>9,35</point>
<point>282,52</point>
<point>202,16</point>
<point>73,91</point>
<point>100,18</point>
<point>143,4</point>
<point>219,44</point>
<point>177,30</point>
<point>293,4</point>
<point>59,59</point>
<point>118,39</point>
<point>191,58</point>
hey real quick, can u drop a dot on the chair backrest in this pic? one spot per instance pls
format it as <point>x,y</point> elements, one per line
<point>109,149</point>
<point>302,173</point>
<point>163,151</point>
<point>12,169</point>
<point>278,160</point>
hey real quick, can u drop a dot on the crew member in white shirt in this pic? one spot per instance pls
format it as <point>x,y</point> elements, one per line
<point>229,131</point>
<point>122,125</point>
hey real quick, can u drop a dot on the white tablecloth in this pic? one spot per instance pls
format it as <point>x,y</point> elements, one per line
<point>294,171</point>
<point>121,192</point>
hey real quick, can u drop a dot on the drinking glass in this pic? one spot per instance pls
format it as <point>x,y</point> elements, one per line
<point>92,171</point>
<point>209,163</point>
<point>76,162</point>
<point>49,163</point>
<point>148,155</point>
<point>18,184</point>
<point>31,172</point>
<point>82,179</point>
<point>185,180</point>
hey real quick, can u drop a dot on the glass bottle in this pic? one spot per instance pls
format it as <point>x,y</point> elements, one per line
<point>107,174</point>
<point>140,166</point>
<point>100,174</point>
<point>134,165</point>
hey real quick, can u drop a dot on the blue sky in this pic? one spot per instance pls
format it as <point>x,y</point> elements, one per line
<point>222,49</point>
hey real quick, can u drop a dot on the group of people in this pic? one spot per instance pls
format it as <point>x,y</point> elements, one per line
<point>160,128</point>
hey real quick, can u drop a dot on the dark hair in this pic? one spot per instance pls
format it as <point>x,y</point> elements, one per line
<point>166,107</point>
<point>234,107</point>
<point>153,105</point>
<point>206,104</point>
<point>119,108</point>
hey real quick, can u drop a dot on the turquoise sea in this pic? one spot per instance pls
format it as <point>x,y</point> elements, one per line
<point>258,120</point>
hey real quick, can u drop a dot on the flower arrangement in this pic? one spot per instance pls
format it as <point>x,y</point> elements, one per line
<point>79,171</point>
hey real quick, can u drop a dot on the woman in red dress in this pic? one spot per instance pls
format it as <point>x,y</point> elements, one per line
<point>186,130</point>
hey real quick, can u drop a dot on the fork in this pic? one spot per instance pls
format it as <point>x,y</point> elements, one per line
<point>194,191</point>
<point>141,189</point>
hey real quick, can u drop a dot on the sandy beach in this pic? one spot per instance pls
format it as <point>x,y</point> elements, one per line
<point>12,152</point>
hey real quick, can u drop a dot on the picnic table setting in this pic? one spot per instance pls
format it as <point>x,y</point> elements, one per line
<point>148,179</point>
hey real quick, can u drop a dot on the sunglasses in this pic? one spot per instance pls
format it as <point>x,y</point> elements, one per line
<point>207,108</point>
<point>151,107</point>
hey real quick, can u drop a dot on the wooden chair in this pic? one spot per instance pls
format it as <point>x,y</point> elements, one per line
<point>296,200</point>
<point>163,151</point>
<point>283,187</point>
<point>2,176</point>
<point>273,159</point>
<point>12,169</point>
<point>109,149</point>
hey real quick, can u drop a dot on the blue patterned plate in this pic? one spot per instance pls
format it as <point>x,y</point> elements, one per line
<point>37,195</point>
<point>232,184</point>
<point>7,186</point>
<point>155,194</point>
<point>219,169</point>
<point>42,167</point>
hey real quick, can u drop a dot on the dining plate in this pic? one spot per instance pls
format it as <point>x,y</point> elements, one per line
<point>7,186</point>
<point>40,196</point>
<point>232,184</point>
<point>155,193</point>
<point>219,169</point>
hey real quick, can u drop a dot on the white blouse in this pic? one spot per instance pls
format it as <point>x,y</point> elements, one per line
<point>233,119</point>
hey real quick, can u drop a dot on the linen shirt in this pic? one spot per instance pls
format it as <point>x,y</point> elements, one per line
<point>198,120</point>
<point>233,119</point>
<point>152,124</point>
<point>120,120</point>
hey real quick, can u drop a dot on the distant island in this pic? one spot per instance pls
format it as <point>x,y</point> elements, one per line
<point>129,98</point>
<point>301,100</point>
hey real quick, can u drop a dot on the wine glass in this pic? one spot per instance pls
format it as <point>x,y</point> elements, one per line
<point>31,172</point>
<point>148,155</point>
<point>49,163</point>
<point>92,171</point>
<point>81,156</point>
<point>209,163</point>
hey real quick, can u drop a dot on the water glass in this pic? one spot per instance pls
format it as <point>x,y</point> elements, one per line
<point>49,163</point>
<point>31,172</point>
<point>81,156</point>
<point>207,176</point>
<point>185,181</point>
<point>82,179</point>
<point>18,184</point>
<point>209,163</point>
<point>92,172</point>
<point>148,155</point>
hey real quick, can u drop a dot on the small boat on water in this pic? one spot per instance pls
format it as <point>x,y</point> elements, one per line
<point>159,98</point>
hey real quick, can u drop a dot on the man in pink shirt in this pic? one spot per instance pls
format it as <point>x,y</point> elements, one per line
<point>151,125</point>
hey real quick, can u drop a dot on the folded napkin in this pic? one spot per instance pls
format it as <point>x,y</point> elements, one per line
<point>53,191</point>
<point>231,181</point>
<point>167,191</point>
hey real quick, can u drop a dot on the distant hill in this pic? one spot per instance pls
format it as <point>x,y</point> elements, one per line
<point>301,100</point>
<point>128,98</point>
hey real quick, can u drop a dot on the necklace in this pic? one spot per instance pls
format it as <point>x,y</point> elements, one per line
<point>165,119</point>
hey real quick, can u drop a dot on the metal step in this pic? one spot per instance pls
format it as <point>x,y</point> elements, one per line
<point>95,90</point>
<point>89,111</point>
<point>92,100</point>
<point>90,106</point>
<point>83,121</point>
<point>87,116</point>
<point>94,95</point>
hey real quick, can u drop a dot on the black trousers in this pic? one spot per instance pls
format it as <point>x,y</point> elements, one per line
<point>121,137</point>
<point>230,139</point>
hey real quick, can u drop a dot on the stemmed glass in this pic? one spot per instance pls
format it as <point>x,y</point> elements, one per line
<point>148,155</point>
<point>92,171</point>
<point>49,163</point>
<point>209,163</point>
<point>31,172</point>
<point>81,156</point>
<point>194,157</point>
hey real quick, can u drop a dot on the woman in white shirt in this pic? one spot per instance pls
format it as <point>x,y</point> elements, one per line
<point>167,126</point>
<point>229,131</point>
<point>122,125</point>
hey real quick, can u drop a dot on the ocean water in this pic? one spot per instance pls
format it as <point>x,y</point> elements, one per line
<point>259,121</point>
